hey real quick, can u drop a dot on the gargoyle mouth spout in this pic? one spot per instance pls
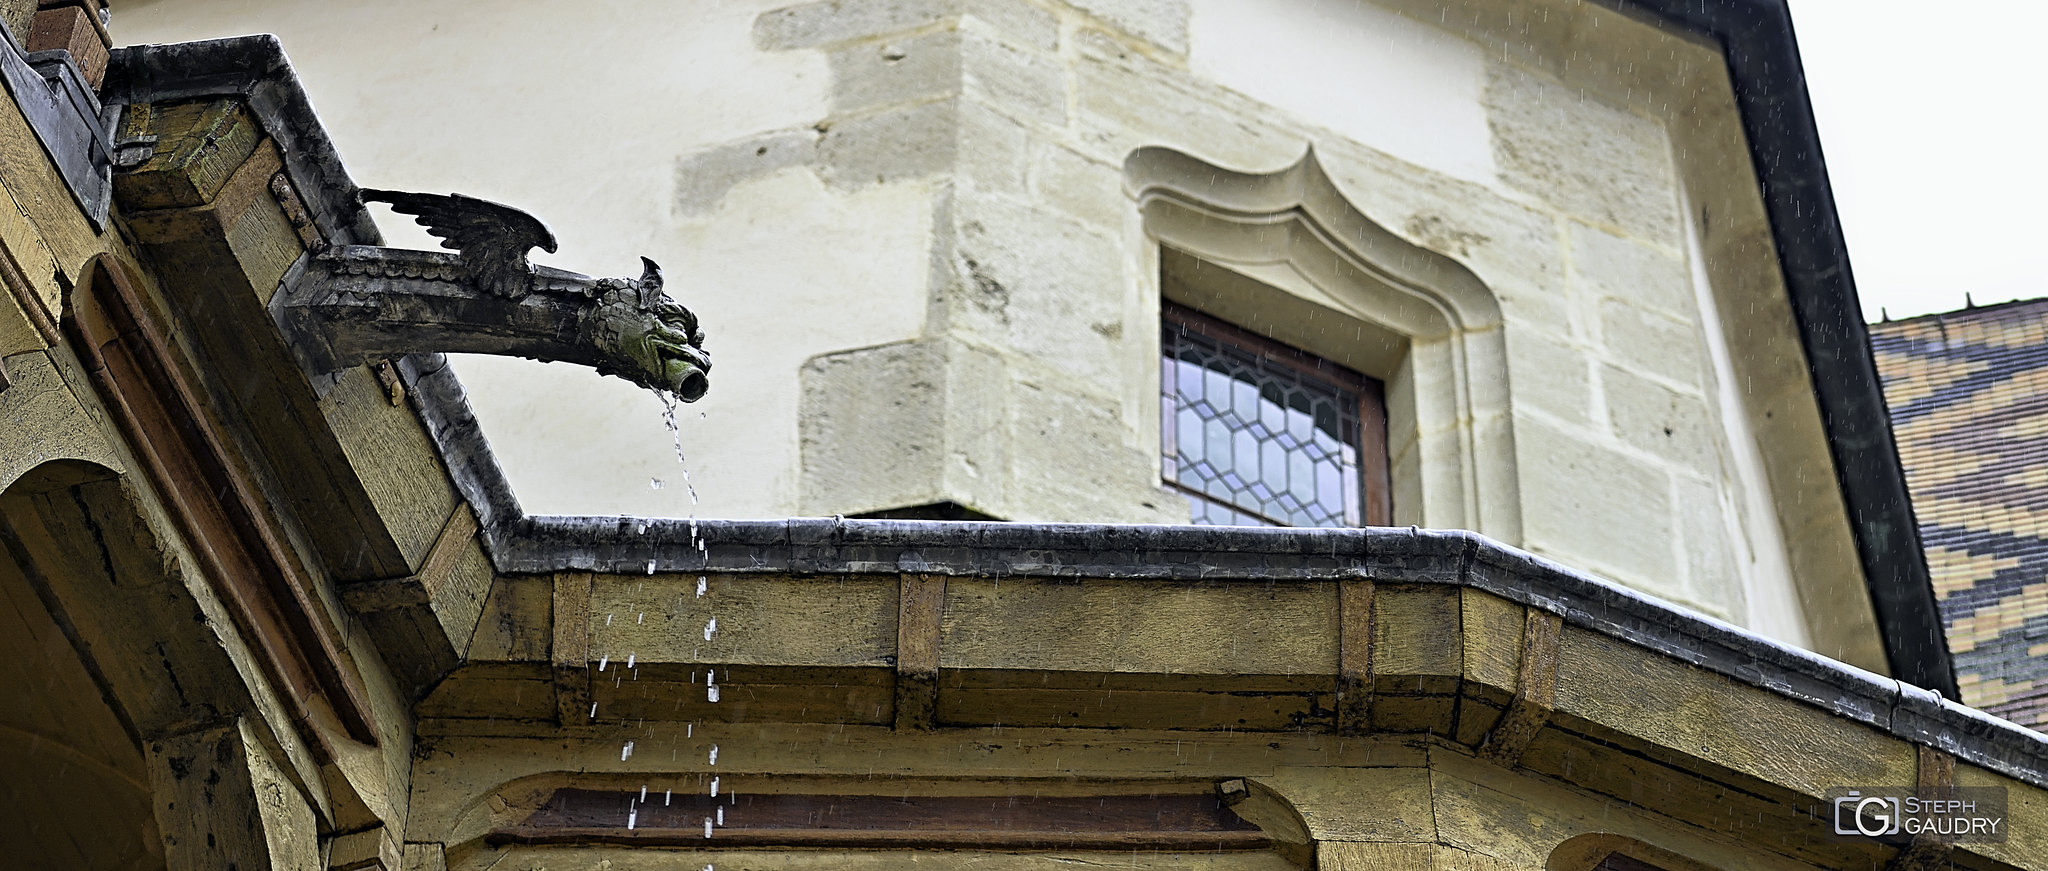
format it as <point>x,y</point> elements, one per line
<point>686,372</point>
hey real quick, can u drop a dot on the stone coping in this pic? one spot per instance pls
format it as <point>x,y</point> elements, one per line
<point>521,544</point>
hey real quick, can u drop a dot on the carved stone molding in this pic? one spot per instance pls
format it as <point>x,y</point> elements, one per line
<point>1304,265</point>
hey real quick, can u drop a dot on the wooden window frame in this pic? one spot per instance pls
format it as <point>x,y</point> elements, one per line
<point>1375,484</point>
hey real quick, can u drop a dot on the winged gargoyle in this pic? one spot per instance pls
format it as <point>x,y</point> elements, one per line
<point>353,304</point>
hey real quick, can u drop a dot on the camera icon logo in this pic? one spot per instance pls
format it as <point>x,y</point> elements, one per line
<point>1868,815</point>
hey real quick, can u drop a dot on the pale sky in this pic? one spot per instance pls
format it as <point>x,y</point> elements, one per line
<point>1931,116</point>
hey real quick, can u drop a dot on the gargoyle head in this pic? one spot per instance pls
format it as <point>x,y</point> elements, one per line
<point>648,338</point>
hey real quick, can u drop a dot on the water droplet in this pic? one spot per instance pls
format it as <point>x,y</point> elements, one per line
<point>650,567</point>
<point>593,710</point>
<point>629,660</point>
<point>710,628</point>
<point>642,618</point>
<point>721,816</point>
<point>654,484</point>
<point>711,692</point>
<point>643,792</point>
<point>603,661</point>
<point>666,796</point>
<point>607,619</point>
<point>707,827</point>
<point>714,787</point>
<point>632,818</point>
<point>702,585</point>
<point>714,754</point>
<point>626,752</point>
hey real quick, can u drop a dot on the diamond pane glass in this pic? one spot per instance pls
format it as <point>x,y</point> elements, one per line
<point>1272,445</point>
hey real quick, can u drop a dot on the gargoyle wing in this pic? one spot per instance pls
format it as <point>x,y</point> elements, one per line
<point>492,239</point>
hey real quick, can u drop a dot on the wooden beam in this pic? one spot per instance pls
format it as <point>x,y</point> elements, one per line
<point>128,355</point>
<point>569,653</point>
<point>1122,822</point>
<point>222,803</point>
<point>1936,774</point>
<point>1355,674</point>
<point>921,603</point>
<point>1535,690</point>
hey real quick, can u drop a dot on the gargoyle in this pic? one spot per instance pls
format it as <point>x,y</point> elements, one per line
<point>353,304</point>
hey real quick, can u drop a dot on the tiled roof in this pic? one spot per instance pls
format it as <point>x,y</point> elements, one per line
<point>1968,392</point>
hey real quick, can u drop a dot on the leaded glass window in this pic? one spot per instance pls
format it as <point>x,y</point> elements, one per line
<point>1260,434</point>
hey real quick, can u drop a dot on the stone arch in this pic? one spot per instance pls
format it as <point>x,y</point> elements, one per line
<point>158,717</point>
<point>1598,851</point>
<point>1287,254</point>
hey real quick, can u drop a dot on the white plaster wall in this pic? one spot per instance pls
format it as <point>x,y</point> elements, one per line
<point>578,113</point>
<point>1362,71</point>
<point>820,179</point>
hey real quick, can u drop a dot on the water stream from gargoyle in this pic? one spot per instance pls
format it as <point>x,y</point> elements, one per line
<point>688,610</point>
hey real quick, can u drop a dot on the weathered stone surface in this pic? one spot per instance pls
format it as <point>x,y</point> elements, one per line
<point>1644,275</point>
<point>1017,21</point>
<point>1085,189</point>
<point>1676,426</point>
<point>891,145</point>
<point>1072,458</point>
<point>1665,701</point>
<point>1557,379</point>
<point>1025,85</point>
<point>1713,578</point>
<point>924,66</point>
<point>1653,343</point>
<point>873,427</point>
<point>1020,267</point>
<point>1593,506</point>
<point>222,802</point>
<point>24,243</point>
<point>995,152</point>
<point>798,621</point>
<point>390,452</point>
<point>200,145</point>
<point>1223,629</point>
<point>1332,802</point>
<point>832,21</point>
<point>1600,162</point>
<point>41,421</point>
<point>1368,856</point>
<point>1127,100</point>
<point>704,178</point>
<point>18,14</point>
<point>1163,23</point>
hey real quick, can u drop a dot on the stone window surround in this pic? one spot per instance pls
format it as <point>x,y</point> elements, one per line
<point>1304,266</point>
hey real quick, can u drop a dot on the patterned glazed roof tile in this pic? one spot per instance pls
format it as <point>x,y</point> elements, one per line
<point>1968,393</point>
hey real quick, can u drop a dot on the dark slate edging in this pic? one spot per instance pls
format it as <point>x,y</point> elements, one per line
<point>67,119</point>
<point>1785,150</point>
